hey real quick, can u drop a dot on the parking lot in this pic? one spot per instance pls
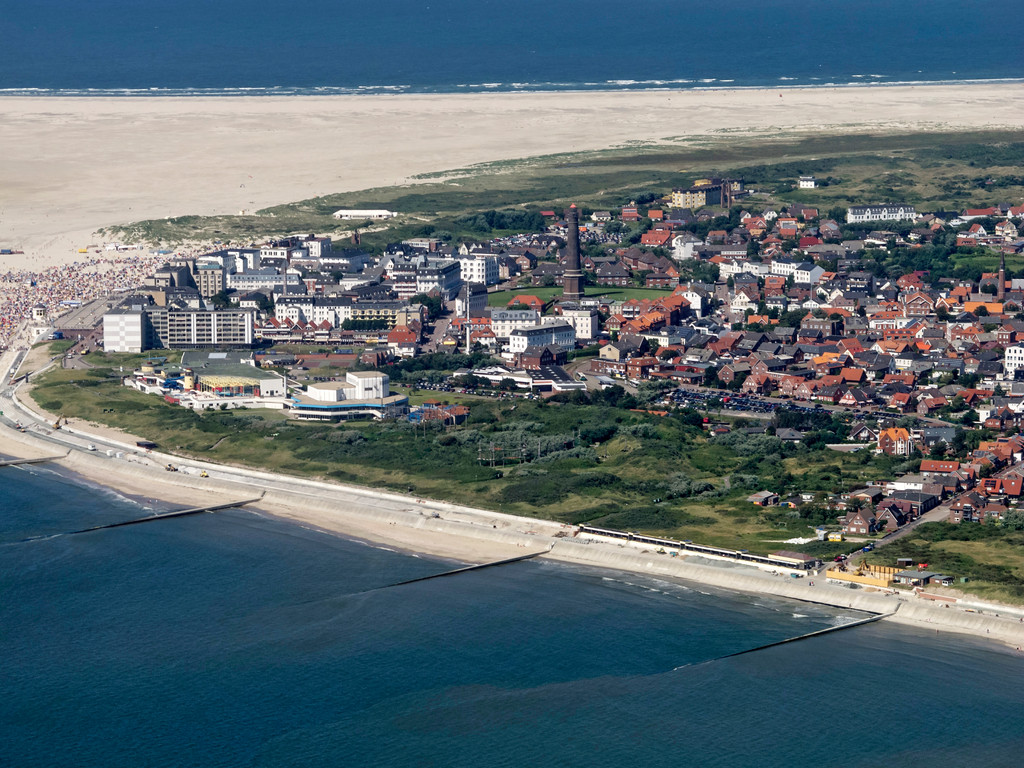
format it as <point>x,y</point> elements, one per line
<point>716,400</point>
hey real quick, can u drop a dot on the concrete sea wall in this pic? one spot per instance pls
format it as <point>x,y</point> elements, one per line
<point>363,511</point>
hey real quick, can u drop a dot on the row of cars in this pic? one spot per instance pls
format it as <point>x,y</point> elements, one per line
<point>690,398</point>
<point>695,398</point>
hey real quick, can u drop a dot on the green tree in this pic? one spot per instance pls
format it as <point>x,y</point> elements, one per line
<point>221,299</point>
<point>433,303</point>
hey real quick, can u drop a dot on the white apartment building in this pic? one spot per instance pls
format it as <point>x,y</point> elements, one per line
<point>504,321</point>
<point>698,301</point>
<point>808,273</point>
<point>267,278</point>
<point>189,328</point>
<point>318,247</point>
<point>1014,360</point>
<point>889,212</point>
<point>585,322</point>
<point>685,246</point>
<point>784,268</point>
<point>124,331</point>
<point>479,269</point>
<point>557,334</point>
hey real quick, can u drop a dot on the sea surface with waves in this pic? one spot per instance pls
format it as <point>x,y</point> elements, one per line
<point>252,47</point>
<point>234,638</point>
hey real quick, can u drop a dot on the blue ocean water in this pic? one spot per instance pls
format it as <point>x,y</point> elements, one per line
<point>237,639</point>
<point>325,46</point>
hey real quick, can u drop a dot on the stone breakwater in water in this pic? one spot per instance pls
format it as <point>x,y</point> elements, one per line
<point>476,535</point>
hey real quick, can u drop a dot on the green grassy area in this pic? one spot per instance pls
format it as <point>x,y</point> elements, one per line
<point>597,463</point>
<point>934,170</point>
<point>60,346</point>
<point>420,396</point>
<point>990,556</point>
<point>546,294</point>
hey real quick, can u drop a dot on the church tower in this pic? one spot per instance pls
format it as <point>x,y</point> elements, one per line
<point>572,285</point>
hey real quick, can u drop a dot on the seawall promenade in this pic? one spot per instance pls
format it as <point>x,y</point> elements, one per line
<point>474,535</point>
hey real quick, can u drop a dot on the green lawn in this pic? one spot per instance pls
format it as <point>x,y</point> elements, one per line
<point>990,557</point>
<point>598,463</point>
<point>501,298</point>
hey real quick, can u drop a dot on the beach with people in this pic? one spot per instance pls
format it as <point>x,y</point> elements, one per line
<point>90,163</point>
<point>84,163</point>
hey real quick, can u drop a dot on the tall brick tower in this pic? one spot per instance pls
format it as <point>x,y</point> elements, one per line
<point>572,287</point>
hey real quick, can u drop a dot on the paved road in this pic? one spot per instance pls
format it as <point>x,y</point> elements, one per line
<point>435,336</point>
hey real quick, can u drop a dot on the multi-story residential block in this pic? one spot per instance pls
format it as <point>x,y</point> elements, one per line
<point>136,328</point>
<point>209,279</point>
<point>586,322</point>
<point>504,321</point>
<point>266,278</point>
<point>557,334</point>
<point>411,276</point>
<point>479,269</point>
<point>194,328</point>
<point>335,310</point>
<point>1014,360</point>
<point>856,214</point>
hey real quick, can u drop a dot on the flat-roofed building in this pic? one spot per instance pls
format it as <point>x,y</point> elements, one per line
<point>363,393</point>
<point>557,334</point>
<point>586,322</point>
<point>373,214</point>
<point>479,269</point>
<point>209,279</point>
<point>125,331</point>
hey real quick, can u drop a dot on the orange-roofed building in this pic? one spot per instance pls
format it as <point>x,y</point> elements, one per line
<point>895,441</point>
<point>992,307</point>
<point>853,375</point>
<point>656,238</point>
<point>527,300</point>
<point>938,466</point>
<point>961,292</point>
<point>973,396</point>
<point>402,334</point>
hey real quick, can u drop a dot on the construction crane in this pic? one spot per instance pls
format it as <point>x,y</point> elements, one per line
<point>56,424</point>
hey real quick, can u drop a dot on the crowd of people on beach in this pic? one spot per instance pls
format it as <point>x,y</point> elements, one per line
<point>80,281</point>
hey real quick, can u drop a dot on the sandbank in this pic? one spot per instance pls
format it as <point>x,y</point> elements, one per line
<point>72,165</point>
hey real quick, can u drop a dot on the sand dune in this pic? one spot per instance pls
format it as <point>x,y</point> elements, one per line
<point>82,163</point>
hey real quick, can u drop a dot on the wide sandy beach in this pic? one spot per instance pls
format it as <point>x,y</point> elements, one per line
<point>72,165</point>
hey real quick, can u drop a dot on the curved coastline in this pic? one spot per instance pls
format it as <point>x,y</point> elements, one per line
<point>378,137</point>
<point>463,533</point>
